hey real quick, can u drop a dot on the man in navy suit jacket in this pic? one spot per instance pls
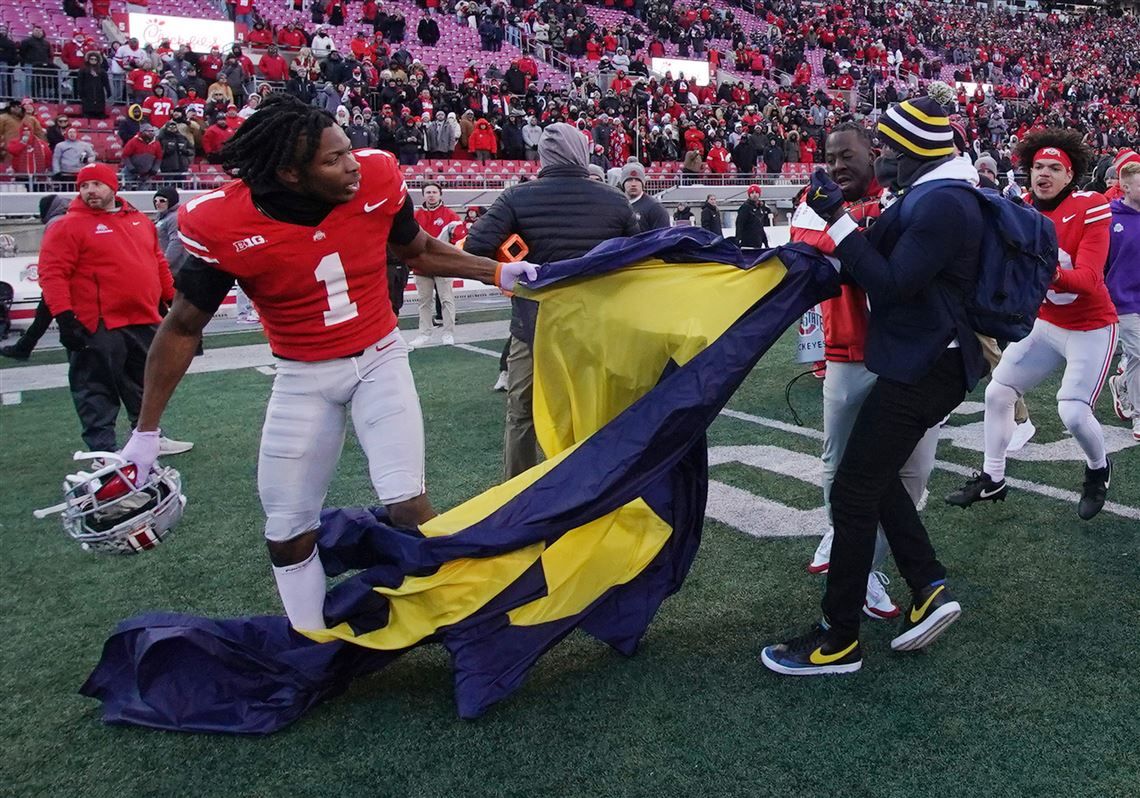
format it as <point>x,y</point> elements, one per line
<point>926,356</point>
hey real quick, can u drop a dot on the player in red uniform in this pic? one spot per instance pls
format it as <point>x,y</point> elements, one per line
<point>1076,326</point>
<point>847,381</point>
<point>304,233</point>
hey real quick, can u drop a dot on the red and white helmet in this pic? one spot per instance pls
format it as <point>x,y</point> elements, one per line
<point>105,511</point>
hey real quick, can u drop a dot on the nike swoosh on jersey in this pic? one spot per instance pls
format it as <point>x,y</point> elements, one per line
<point>914,616</point>
<point>369,207</point>
<point>1067,219</point>
<point>817,657</point>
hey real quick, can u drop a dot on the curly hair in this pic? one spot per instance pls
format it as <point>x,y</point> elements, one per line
<point>1069,142</point>
<point>283,132</point>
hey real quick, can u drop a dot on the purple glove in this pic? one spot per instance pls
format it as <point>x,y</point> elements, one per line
<point>508,275</point>
<point>824,196</point>
<point>142,450</point>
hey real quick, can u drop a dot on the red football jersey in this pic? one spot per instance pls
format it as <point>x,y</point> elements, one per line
<point>1078,298</point>
<point>322,292</point>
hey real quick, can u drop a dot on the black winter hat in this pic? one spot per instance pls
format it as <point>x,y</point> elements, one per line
<point>170,193</point>
<point>45,206</point>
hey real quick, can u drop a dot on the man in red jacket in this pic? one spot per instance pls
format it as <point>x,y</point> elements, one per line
<point>104,279</point>
<point>272,66</point>
<point>434,217</point>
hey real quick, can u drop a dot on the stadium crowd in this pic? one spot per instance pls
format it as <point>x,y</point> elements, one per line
<point>790,72</point>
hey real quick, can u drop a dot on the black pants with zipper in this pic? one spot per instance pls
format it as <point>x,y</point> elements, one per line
<point>108,374</point>
<point>867,490</point>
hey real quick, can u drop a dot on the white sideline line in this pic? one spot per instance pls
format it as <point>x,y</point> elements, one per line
<point>478,350</point>
<point>13,398</point>
<point>268,371</point>
<point>1121,510</point>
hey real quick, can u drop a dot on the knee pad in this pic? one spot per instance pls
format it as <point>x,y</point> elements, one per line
<point>1073,413</point>
<point>999,395</point>
<point>283,527</point>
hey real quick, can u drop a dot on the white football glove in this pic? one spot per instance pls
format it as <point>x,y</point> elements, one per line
<point>1012,190</point>
<point>508,275</point>
<point>142,450</point>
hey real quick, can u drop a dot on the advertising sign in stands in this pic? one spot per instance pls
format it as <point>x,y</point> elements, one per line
<point>198,34</point>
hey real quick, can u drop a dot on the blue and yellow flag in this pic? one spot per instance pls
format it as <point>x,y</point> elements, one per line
<point>639,345</point>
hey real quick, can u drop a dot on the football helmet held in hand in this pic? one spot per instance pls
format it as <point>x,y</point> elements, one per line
<point>106,512</point>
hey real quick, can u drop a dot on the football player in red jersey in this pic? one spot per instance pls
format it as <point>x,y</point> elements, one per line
<point>1076,326</point>
<point>850,160</point>
<point>303,231</point>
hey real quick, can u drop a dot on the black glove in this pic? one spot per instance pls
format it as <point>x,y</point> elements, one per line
<point>824,196</point>
<point>72,334</point>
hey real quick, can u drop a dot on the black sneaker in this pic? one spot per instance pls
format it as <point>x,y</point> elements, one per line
<point>1095,490</point>
<point>980,488</point>
<point>15,352</point>
<point>813,654</point>
<point>932,609</point>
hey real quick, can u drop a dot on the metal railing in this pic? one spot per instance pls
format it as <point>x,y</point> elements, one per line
<point>200,181</point>
<point>42,84</point>
<point>46,183</point>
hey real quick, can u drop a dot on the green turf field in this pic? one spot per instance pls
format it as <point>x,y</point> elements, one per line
<point>1032,693</point>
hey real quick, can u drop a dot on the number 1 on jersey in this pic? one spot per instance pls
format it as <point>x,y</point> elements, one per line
<point>330,271</point>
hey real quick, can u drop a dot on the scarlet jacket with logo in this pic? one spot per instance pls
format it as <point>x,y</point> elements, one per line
<point>436,219</point>
<point>105,265</point>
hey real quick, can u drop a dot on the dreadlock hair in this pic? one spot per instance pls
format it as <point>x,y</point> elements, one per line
<point>1068,141</point>
<point>284,132</point>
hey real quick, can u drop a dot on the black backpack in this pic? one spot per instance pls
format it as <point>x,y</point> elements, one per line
<point>1018,258</point>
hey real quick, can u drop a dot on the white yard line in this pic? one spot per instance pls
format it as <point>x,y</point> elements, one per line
<point>1122,510</point>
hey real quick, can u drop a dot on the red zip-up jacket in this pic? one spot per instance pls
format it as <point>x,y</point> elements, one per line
<point>104,266</point>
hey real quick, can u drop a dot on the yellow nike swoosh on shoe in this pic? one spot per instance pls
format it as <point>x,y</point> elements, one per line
<point>914,616</point>
<point>817,657</point>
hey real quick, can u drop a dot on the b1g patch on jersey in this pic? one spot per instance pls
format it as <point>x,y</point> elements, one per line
<point>248,243</point>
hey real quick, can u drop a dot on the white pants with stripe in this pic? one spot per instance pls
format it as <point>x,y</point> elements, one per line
<point>304,432</point>
<point>1085,355</point>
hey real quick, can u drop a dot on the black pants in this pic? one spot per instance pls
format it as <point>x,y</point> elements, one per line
<point>105,375</point>
<point>31,336</point>
<point>503,357</point>
<point>867,490</point>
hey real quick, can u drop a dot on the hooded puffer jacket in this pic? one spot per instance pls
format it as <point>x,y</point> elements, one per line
<point>562,214</point>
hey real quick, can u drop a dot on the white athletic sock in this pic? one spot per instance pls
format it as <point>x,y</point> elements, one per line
<point>999,425</point>
<point>302,589</point>
<point>1078,419</point>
